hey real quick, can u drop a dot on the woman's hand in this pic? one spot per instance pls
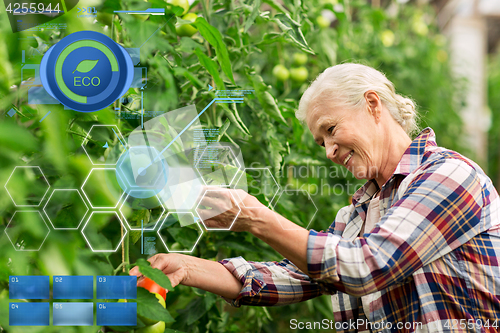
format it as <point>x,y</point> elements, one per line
<point>195,272</point>
<point>230,209</point>
<point>173,265</point>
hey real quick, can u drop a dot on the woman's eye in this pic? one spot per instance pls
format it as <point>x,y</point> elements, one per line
<point>330,130</point>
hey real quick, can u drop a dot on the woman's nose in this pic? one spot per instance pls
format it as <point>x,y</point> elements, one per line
<point>331,151</point>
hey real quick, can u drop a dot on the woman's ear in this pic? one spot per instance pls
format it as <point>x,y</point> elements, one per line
<point>373,104</point>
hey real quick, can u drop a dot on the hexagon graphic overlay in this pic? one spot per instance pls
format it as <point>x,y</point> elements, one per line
<point>101,188</point>
<point>223,200</point>
<point>104,144</point>
<point>180,232</point>
<point>149,211</point>
<point>27,230</point>
<point>65,209</point>
<point>102,231</point>
<point>218,166</point>
<point>286,203</point>
<point>27,186</point>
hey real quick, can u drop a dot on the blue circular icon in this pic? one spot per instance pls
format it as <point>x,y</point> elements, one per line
<point>86,71</point>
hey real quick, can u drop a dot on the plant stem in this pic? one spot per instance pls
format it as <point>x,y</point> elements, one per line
<point>122,265</point>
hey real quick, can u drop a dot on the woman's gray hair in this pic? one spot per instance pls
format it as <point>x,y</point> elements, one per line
<point>347,84</point>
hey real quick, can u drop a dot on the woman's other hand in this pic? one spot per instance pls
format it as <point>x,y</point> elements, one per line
<point>225,209</point>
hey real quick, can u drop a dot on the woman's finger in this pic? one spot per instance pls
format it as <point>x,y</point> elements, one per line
<point>210,201</point>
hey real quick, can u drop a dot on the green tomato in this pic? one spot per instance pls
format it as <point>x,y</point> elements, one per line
<point>187,29</point>
<point>323,22</point>
<point>281,73</point>
<point>180,3</point>
<point>299,74</point>
<point>420,28</point>
<point>148,321</point>
<point>159,327</point>
<point>387,37</point>
<point>299,59</point>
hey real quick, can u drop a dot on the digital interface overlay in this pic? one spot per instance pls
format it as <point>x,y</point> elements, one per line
<point>146,183</point>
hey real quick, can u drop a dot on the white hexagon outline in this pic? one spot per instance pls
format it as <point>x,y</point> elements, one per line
<point>137,186</point>
<point>141,229</point>
<point>27,166</point>
<point>27,211</point>
<point>235,159</point>
<point>308,195</point>
<point>102,212</point>
<point>274,179</point>
<point>118,134</point>
<point>66,189</point>
<point>180,251</point>
<point>218,229</point>
<point>85,194</point>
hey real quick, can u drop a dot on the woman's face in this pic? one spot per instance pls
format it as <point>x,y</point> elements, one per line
<point>349,136</point>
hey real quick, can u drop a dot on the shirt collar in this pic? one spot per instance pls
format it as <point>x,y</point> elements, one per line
<point>411,160</point>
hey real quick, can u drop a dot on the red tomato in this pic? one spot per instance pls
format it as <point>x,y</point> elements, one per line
<point>152,286</point>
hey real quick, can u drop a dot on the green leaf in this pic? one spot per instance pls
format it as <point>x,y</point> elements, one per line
<point>235,117</point>
<point>214,37</point>
<point>16,138</point>
<point>178,71</point>
<point>223,129</point>
<point>209,64</point>
<point>197,308</point>
<point>292,28</point>
<point>149,307</point>
<point>154,274</point>
<point>266,100</point>
<point>276,5</point>
<point>86,66</point>
<point>253,16</point>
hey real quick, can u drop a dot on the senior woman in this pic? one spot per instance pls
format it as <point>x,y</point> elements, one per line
<point>418,249</point>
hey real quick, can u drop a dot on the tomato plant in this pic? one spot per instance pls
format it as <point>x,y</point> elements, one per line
<point>152,287</point>
<point>272,48</point>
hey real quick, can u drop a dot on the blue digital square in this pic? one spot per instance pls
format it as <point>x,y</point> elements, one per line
<point>116,314</point>
<point>116,287</point>
<point>29,287</point>
<point>73,287</point>
<point>73,314</point>
<point>29,314</point>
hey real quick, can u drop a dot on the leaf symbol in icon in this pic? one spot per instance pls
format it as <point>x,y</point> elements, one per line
<point>86,66</point>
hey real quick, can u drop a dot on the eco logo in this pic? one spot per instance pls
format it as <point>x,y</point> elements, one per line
<point>86,71</point>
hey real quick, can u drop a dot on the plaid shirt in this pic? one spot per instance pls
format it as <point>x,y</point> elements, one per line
<point>432,259</point>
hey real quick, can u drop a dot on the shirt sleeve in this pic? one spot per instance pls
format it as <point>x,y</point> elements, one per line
<point>271,283</point>
<point>439,211</point>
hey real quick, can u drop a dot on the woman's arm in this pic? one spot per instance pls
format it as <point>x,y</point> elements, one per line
<point>286,237</point>
<point>239,281</point>
<point>439,211</point>
<point>196,272</point>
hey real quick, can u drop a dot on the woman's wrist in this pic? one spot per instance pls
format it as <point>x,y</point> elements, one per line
<point>264,223</point>
<point>210,276</point>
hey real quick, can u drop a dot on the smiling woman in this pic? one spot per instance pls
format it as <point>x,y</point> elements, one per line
<point>418,245</point>
<point>353,111</point>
